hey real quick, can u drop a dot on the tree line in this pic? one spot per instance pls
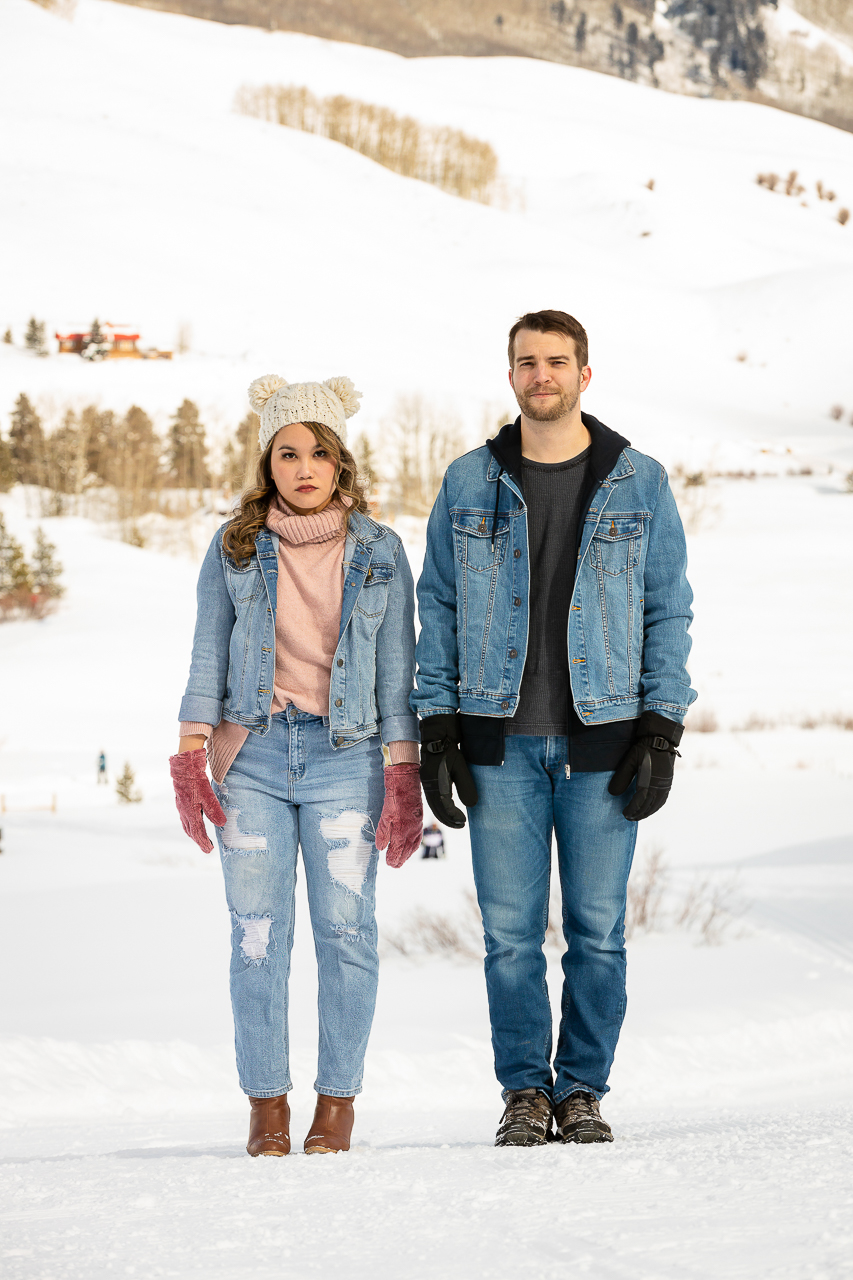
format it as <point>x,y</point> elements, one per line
<point>96,448</point>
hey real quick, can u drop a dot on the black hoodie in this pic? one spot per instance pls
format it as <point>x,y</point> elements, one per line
<point>591,748</point>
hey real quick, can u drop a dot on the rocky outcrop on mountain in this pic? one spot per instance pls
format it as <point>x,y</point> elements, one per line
<point>797,55</point>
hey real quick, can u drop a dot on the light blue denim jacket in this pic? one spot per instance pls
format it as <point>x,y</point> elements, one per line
<point>233,660</point>
<point>630,611</point>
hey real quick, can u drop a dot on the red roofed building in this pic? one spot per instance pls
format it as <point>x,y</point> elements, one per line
<point>120,339</point>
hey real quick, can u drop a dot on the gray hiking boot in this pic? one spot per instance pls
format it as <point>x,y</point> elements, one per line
<point>579,1120</point>
<point>526,1122</point>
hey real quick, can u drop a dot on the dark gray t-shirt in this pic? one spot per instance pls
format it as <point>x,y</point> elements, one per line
<point>553,492</point>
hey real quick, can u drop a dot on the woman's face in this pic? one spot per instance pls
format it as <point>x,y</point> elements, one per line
<point>303,470</point>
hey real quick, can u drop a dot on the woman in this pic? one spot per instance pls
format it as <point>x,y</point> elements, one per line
<point>303,654</point>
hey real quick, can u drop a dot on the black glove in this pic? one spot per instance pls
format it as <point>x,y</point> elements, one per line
<point>652,759</point>
<point>442,763</point>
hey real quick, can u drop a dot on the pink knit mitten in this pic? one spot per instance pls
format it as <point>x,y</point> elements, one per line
<point>194,795</point>
<point>402,823</point>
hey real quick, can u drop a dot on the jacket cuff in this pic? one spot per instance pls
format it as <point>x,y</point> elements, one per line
<point>399,729</point>
<point>196,709</point>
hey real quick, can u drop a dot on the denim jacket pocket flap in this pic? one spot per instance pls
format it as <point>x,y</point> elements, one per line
<point>378,573</point>
<point>614,528</point>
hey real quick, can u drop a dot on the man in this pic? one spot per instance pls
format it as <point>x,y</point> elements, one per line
<point>552,690</point>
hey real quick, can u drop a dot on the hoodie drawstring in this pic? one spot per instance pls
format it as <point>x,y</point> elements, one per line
<point>497,500</point>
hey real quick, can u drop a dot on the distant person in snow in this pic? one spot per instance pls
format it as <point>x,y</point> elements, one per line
<point>303,655</point>
<point>433,842</point>
<point>552,691</point>
<point>102,769</point>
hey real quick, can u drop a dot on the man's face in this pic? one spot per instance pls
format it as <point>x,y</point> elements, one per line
<point>545,375</point>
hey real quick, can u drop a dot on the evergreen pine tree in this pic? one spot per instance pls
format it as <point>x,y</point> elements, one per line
<point>187,449</point>
<point>240,453</point>
<point>26,439</point>
<point>16,579</point>
<point>34,338</point>
<point>7,467</point>
<point>366,462</point>
<point>142,446</point>
<point>96,333</point>
<point>46,568</point>
<point>99,430</point>
<point>125,787</point>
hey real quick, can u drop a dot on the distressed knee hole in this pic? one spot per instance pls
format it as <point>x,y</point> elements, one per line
<point>351,932</point>
<point>349,849</point>
<point>240,842</point>
<point>256,937</point>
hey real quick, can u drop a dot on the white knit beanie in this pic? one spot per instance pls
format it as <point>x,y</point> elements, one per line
<point>278,403</point>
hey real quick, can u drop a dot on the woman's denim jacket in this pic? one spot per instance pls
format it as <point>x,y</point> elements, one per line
<point>630,609</point>
<point>233,662</point>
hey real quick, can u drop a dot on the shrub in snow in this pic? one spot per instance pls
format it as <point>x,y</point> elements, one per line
<point>843,216</point>
<point>125,787</point>
<point>7,337</point>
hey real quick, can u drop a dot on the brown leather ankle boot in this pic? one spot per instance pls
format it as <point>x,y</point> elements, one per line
<point>269,1127</point>
<point>332,1125</point>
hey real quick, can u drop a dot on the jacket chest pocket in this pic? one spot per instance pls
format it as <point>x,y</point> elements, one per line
<point>246,584</point>
<point>373,596</point>
<point>615,546</point>
<point>472,533</point>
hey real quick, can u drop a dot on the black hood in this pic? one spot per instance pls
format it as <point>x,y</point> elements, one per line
<point>605,447</point>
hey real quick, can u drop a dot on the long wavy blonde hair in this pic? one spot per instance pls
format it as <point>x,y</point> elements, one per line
<point>250,517</point>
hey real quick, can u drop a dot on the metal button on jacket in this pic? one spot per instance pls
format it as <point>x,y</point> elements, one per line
<point>339,702</point>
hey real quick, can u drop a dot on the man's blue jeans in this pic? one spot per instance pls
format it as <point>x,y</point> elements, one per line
<point>285,791</point>
<point>520,804</point>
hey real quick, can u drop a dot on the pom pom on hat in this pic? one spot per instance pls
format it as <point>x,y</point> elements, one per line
<point>344,389</point>
<point>262,388</point>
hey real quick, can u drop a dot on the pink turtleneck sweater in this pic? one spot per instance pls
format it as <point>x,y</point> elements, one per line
<point>308,619</point>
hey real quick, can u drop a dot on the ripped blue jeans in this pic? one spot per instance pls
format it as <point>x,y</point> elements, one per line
<point>286,791</point>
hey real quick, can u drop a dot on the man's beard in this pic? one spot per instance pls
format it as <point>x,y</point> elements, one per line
<point>560,408</point>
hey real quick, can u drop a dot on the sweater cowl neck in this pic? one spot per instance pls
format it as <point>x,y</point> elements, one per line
<point>325,526</point>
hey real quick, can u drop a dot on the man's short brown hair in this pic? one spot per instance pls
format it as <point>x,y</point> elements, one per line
<point>552,322</point>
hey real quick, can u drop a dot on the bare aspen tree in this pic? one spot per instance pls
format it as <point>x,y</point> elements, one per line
<point>447,158</point>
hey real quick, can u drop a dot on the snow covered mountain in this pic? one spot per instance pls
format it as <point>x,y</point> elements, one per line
<point>797,54</point>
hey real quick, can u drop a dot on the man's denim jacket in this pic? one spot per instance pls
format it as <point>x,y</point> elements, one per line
<point>630,611</point>
<point>233,660</point>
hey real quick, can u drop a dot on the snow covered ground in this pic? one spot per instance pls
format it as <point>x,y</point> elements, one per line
<point>128,189</point>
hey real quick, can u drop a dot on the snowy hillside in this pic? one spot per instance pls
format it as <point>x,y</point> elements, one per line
<point>130,190</point>
<point>720,341</point>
